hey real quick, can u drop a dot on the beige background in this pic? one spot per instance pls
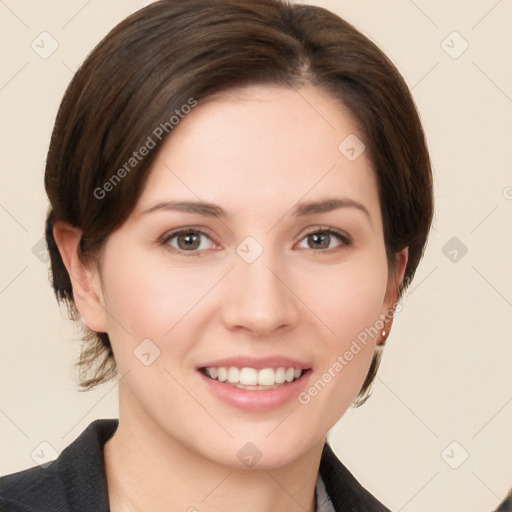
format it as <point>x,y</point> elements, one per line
<point>447,371</point>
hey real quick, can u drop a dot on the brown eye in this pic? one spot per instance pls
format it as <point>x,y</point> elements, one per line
<point>319,240</point>
<point>323,240</point>
<point>189,241</point>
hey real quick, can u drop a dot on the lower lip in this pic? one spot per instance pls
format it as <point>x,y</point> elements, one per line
<point>256,400</point>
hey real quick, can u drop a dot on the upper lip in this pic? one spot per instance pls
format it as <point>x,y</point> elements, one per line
<point>257,363</point>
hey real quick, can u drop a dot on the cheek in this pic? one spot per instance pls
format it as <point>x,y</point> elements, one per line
<point>347,300</point>
<point>145,296</point>
<point>152,327</point>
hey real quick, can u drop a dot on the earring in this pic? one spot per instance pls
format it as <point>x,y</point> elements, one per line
<point>382,342</point>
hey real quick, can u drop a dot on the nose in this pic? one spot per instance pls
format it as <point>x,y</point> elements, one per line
<point>258,300</point>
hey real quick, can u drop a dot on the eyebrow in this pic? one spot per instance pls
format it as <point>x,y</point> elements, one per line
<point>328,205</point>
<point>198,207</point>
<point>300,210</point>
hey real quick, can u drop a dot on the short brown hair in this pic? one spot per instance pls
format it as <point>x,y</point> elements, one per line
<point>157,59</point>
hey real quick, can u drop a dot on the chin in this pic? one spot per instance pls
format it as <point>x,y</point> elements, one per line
<point>263,451</point>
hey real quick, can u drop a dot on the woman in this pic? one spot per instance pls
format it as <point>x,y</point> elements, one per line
<point>239,193</point>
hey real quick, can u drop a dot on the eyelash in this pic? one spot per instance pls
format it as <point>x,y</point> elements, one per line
<point>344,239</point>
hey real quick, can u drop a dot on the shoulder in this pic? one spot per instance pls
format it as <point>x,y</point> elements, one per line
<point>506,505</point>
<point>76,476</point>
<point>345,492</point>
<point>32,486</point>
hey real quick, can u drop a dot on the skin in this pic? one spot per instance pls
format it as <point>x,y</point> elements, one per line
<point>256,153</point>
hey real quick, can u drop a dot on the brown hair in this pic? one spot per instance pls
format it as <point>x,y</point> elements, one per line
<point>175,52</point>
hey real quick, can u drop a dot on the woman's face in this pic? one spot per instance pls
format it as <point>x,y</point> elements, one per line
<point>254,254</point>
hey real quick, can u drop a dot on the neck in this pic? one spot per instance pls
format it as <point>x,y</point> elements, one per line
<point>147,470</point>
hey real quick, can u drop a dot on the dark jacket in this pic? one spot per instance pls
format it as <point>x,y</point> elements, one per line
<point>506,505</point>
<point>76,481</point>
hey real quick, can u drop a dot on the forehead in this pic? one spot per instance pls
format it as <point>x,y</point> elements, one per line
<point>263,145</point>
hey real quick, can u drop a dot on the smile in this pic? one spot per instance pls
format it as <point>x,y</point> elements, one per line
<point>255,384</point>
<point>252,378</point>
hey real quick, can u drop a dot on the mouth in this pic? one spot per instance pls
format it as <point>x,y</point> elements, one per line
<point>253,379</point>
<point>255,384</point>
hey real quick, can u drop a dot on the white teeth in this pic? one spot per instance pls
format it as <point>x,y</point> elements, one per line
<point>248,376</point>
<point>280,375</point>
<point>233,374</point>
<point>222,374</point>
<point>251,377</point>
<point>266,377</point>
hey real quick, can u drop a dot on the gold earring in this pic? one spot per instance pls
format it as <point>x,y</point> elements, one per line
<point>382,342</point>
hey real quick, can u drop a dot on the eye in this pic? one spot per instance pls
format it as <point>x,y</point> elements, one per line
<point>323,240</point>
<point>188,240</point>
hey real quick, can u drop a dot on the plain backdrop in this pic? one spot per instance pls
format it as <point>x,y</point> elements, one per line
<point>436,433</point>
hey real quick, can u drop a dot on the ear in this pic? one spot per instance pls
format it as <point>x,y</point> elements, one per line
<point>85,278</point>
<point>395,279</point>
